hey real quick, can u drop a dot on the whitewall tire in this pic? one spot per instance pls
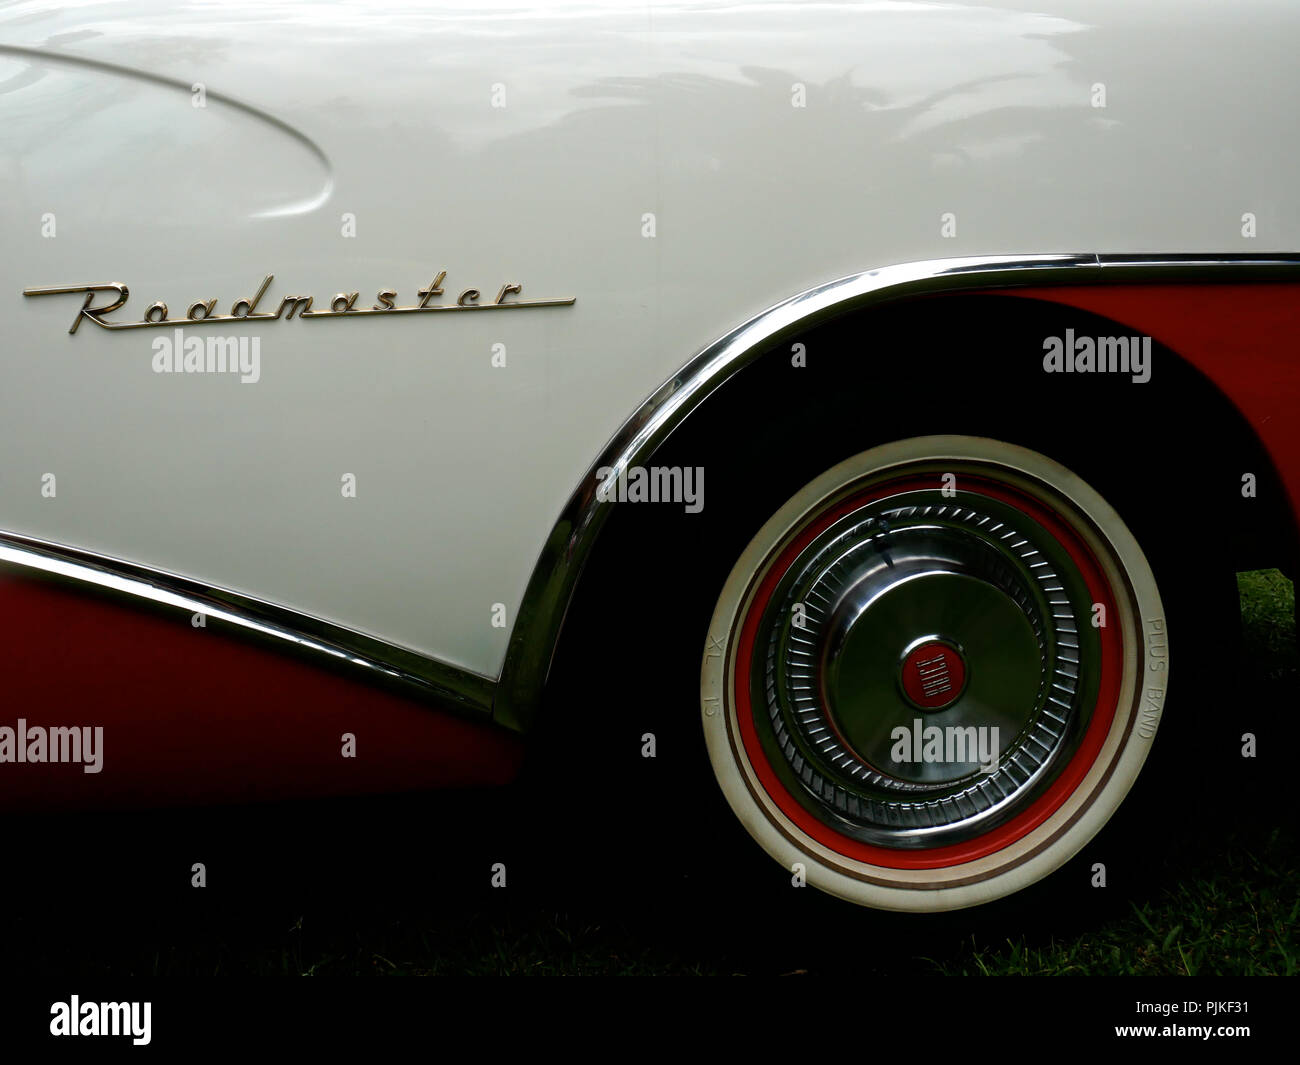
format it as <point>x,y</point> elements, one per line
<point>934,674</point>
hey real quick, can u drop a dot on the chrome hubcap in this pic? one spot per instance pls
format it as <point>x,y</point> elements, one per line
<point>922,666</point>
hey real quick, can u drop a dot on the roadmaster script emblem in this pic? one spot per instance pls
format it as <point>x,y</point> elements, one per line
<point>341,306</point>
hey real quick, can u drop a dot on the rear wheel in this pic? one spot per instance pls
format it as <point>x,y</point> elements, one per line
<point>934,673</point>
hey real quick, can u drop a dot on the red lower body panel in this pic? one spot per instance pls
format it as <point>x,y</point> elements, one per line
<point>194,715</point>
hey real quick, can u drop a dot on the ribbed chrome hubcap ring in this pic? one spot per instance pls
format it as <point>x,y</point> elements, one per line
<point>942,584</point>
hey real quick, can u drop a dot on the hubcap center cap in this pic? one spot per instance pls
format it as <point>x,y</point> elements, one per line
<point>932,673</point>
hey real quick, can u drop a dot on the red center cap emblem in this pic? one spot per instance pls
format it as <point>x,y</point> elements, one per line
<point>933,675</point>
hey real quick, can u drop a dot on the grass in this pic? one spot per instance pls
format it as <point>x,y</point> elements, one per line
<point>1237,920</point>
<point>1218,896</point>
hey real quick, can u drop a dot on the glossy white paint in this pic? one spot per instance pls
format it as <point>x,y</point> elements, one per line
<point>612,111</point>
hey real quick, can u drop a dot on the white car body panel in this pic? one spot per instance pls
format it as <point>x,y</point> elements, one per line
<point>612,111</point>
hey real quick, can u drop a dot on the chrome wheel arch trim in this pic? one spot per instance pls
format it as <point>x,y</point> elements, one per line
<point>550,589</point>
<point>322,642</point>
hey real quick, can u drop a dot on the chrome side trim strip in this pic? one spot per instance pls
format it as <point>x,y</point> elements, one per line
<point>555,576</point>
<point>322,642</point>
